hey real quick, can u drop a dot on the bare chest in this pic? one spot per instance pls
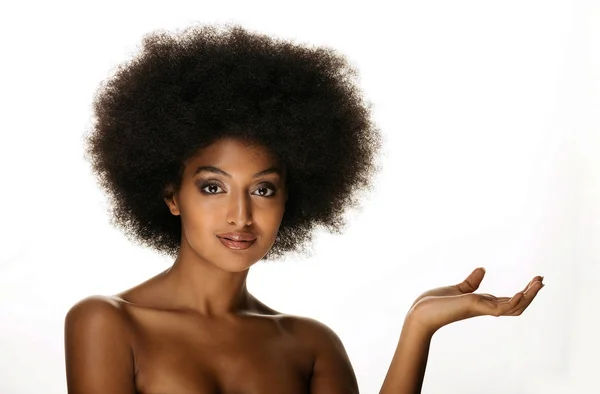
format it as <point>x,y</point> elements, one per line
<point>186,356</point>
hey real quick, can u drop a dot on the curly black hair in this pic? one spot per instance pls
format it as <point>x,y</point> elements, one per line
<point>185,90</point>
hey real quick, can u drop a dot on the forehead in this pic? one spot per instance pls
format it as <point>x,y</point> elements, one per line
<point>234,155</point>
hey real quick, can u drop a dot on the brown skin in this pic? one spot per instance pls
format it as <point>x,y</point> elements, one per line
<point>195,328</point>
<point>437,308</point>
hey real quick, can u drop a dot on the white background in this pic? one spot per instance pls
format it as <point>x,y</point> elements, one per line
<point>490,112</point>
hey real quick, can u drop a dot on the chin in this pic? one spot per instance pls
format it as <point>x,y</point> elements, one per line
<point>237,261</point>
<point>236,265</point>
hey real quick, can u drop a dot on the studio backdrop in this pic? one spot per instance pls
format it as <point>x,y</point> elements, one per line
<point>490,117</point>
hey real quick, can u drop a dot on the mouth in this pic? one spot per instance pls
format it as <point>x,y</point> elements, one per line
<point>236,245</point>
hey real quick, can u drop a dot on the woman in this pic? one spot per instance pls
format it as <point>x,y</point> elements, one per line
<point>221,148</point>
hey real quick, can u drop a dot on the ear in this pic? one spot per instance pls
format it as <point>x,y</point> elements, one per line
<point>170,197</point>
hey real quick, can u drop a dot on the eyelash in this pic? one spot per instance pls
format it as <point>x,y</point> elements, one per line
<point>204,185</point>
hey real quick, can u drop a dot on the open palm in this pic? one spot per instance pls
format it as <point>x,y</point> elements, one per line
<point>444,305</point>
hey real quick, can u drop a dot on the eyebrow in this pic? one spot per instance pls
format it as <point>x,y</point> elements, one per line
<point>216,170</point>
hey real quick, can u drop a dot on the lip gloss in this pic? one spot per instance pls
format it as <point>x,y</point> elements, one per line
<point>236,245</point>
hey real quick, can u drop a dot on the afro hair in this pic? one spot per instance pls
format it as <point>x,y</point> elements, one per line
<point>183,91</point>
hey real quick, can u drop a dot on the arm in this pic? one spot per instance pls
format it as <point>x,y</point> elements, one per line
<point>406,372</point>
<point>98,354</point>
<point>437,308</point>
<point>332,371</point>
<point>333,374</point>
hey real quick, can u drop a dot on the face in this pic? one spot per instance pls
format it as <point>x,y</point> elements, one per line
<point>231,202</point>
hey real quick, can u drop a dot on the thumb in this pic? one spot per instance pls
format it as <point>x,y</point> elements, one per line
<point>472,282</point>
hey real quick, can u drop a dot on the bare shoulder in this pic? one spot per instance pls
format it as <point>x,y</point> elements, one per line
<point>98,351</point>
<point>311,330</point>
<point>332,369</point>
<point>97,310</point>
<point>96,317</point>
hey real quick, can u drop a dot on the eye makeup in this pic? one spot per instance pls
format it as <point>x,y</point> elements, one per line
<point>209,184</point>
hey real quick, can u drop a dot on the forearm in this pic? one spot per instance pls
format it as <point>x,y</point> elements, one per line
<point>406,372</point>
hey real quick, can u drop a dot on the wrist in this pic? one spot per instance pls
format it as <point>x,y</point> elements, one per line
<point>416,326</point>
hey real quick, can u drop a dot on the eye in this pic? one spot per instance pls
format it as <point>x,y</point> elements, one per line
<point>265,191</point>
<point>210,188</point>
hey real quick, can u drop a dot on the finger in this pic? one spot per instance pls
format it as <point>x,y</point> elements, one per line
<point>526,300</point>
<point>494,306</point>
<point>535,279</point>
<point>472,282</point>
<point>523,300</point>
<point>525,291</point>
<point>515,302</point>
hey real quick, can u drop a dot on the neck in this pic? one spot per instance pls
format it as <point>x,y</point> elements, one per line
<point>207,289</point>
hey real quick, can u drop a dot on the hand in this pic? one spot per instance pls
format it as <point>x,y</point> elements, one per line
<point>444,305</point>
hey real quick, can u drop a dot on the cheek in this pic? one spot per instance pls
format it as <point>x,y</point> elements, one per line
<point>200,216</point>
<point>270,218</point>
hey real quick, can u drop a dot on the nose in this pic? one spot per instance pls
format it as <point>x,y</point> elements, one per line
<point>239,211</point>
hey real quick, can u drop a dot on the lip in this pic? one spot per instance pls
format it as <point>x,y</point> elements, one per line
<point>237,236</point>
<point>236,245</point>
